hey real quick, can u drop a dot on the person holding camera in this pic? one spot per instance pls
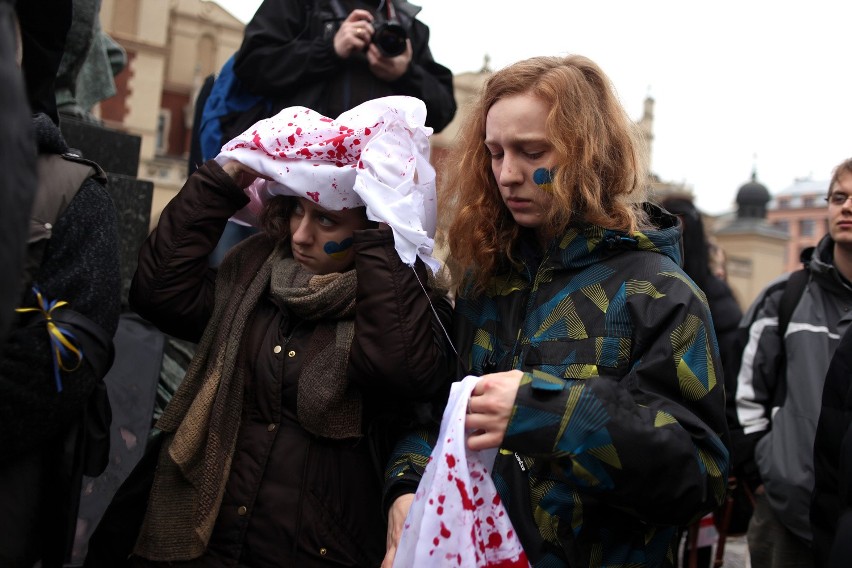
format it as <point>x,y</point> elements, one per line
<point>332,55</point>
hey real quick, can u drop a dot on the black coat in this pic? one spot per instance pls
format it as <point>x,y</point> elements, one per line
<point>288,54</point>
<point>831,507</point>
<point>726,314</point>
<point>17,169</point>
<point>81,266</point>
<point>293,498</point>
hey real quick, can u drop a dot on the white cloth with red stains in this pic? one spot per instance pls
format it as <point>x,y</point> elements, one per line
<point>374,155</point>
<point>457,518</point>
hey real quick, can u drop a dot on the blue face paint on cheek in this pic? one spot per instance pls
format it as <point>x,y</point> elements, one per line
<point>543,178</point>
<point>337,250</point>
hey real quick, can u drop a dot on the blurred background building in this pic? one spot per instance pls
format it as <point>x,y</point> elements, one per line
<point>800,211</point>
<point>173,45</point>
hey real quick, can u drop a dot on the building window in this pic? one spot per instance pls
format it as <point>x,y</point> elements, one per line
<point>782,225</point>
<point>808,201</point>
<point>164,120</point>
<point>206,55</point>
<point>807,227</point>
<point>783,203</point>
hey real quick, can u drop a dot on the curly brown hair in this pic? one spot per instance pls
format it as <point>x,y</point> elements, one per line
<point>275,217</point>
<point>598,178</point>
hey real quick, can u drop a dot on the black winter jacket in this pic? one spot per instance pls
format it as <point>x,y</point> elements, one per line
<point>80,265</point>
<point>831,508</point>
<point>288,54</point>
<point>292,498</point>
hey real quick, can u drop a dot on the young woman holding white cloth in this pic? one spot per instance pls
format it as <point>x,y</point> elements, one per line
<point>601,383</point>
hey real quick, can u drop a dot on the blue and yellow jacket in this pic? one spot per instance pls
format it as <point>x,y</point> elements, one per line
<point>618,434</point>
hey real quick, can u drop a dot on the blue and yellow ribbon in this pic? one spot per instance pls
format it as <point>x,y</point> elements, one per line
<point>63,342</point>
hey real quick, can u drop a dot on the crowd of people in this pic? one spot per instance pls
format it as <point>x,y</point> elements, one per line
<point>619,387</point>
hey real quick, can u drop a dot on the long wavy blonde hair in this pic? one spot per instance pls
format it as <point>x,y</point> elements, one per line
<point>599,171</point>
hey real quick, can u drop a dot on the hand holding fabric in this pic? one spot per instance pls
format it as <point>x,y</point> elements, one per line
<point>242,175</point>
<point>375,155</point>
<point>490,409</point>
<point>457,517</point>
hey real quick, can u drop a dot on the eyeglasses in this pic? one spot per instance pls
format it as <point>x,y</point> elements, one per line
<point>837,198</point>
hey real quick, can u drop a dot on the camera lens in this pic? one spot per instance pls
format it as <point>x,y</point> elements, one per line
<point>390,38</point>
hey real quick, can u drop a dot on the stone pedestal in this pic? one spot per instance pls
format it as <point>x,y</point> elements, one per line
<point>118,154</point>
<point>115,151</point>
<point>132,381</point>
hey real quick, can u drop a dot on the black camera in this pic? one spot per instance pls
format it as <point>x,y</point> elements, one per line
<point>389,35</point>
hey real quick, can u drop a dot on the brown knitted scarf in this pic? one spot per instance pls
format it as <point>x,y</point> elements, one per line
<point>326,404</point>
<point>202,420</point>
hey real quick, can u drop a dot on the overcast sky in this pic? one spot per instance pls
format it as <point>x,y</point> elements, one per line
<point>737,84</point>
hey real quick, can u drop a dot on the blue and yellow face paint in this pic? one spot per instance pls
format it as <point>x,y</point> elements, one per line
<point>337,250</point>
<point>544,178</point>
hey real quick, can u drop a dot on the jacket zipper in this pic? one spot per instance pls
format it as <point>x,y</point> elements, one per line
<point>529,303</point>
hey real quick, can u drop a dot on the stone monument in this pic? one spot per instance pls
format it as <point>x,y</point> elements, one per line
<point>89,64</point>
<point>132,381</point>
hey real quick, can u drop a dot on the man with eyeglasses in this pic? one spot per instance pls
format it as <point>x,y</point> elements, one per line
<point>780,384</point>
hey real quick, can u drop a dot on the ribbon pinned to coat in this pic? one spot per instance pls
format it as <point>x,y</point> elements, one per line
<point>457,517</point>
<point>63,343</point>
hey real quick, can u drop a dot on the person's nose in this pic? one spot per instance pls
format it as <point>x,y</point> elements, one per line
<point>510,172</point>
<point>303,236</point>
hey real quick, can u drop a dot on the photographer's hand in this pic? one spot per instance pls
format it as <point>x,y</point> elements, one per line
<point>355,34</point>
<point>389,68</point>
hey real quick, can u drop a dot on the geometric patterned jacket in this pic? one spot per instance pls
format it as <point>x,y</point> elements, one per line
<point>618,435</point>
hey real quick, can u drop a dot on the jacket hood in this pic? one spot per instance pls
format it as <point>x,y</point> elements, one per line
<point>821,264</point>
<point>588,244</point>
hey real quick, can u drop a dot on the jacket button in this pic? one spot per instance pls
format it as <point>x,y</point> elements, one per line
<point>323,551</point>
<point>276,349</point>
<point>291,354</point>
<point>241,511</point>
<point>271,428</point>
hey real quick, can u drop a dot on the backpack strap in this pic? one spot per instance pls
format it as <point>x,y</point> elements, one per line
<point>789,298</point>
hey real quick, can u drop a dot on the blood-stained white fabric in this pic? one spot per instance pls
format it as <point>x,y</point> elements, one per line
<point>457,517</point>
<point>374,155</point>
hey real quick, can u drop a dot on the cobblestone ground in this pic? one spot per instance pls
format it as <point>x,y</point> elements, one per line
<point>736,553</point>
